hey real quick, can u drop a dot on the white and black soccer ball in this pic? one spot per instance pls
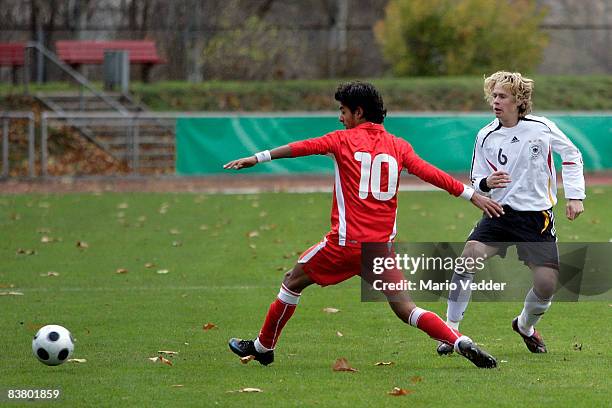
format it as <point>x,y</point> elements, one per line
<point>53,345</point>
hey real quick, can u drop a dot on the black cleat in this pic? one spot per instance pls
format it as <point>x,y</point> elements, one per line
<point>244,348</point>
<point>444,349</point>
<point>534,343</point>
<point>478,357</point>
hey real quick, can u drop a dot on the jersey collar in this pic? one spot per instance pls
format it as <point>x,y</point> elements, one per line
<point>370,125</point>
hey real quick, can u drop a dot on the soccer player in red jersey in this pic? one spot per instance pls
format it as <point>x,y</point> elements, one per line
<point>367,162</point>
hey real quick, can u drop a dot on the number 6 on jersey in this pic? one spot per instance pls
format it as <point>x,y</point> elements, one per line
<point>371,174</point>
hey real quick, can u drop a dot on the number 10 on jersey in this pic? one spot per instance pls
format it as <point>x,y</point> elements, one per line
<point>371,174</point>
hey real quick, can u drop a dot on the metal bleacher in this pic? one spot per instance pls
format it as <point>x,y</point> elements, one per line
<point>113,121</point>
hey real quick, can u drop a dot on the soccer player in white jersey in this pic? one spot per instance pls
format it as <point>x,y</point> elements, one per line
<point>513,162</point>
<point>368,161</point>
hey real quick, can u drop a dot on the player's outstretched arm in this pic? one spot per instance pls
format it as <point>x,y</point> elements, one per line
<point>489,207</point>
<point>266,155</point>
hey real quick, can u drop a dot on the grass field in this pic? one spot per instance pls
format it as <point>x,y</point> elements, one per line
<point>224,257</point>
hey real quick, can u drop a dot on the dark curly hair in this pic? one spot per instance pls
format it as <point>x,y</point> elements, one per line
<point>356,93</point>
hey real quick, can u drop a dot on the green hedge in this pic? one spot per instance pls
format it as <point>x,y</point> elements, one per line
<point>552,93</point>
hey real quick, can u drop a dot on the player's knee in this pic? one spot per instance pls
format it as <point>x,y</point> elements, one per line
<point>471,252</point>
<point>296,279</point>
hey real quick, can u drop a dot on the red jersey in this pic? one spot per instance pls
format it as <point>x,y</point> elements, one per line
<point>368,162</point>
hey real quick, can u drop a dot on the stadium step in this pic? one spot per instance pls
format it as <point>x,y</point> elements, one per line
<point>152,140</point>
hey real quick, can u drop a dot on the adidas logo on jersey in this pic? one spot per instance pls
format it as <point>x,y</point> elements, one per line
<point>514,140</point>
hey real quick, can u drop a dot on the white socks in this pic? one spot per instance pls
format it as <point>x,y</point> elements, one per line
<point>460,339</point>
<point>458,298</point>
<point>259,347</point>
<point>533,309</point>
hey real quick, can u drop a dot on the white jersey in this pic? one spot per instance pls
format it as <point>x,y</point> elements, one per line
<point>525,152</point>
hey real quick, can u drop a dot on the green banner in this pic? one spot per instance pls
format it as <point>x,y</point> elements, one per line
<point>204,144</point>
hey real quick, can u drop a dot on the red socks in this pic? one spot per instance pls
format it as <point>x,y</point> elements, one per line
<point>284,305</point>
<point>435,327</point>
<point>279,313</point>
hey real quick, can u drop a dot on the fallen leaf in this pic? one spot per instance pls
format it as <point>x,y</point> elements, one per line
<point>416,379</point>
<point>342,364</point>
<point>252,246</point>
<point>21,251</point>
<point>82,244</point>
<point>164,208</point>
<point>384,363</point>
<point>47,239</point>
<point>122,206</point>
<point>246,359</point>
<point>249,389</point>
<point>331,310</point>
<point>253,234</point>
<point>162,271</point>
<point>339,334</point>
<point>398,392</point>
<point>174,231</point>
<point>168,352</point>
<point>149,265</point>
<point>161,359</point>
<point>76,360</point>
<point>209,326</point>
<point>50,273</point>
<point>34,326</point>
<point>11,293</point>
<point>121,270</point>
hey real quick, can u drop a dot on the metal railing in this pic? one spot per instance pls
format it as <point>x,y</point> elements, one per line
<point>5,118</point>
<point>126,132</point>
<point>74,75</point>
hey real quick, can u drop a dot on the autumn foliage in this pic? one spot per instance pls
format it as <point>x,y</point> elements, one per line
<point>461,37</point>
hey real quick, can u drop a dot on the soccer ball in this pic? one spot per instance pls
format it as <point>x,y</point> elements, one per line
<point>53,345</point>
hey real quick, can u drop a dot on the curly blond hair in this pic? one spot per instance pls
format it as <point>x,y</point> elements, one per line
<point>519,86</point>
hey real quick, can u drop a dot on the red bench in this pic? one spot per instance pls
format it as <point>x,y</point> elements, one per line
<point>12,55</point>
<point>76,53</point>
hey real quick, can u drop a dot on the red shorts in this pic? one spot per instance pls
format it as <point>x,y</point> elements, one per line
<point>328,263</point>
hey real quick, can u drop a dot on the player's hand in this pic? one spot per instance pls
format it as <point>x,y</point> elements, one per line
<point>573,209</point>
<point>498,179</point>
<point>243,163</point>
<point>488,206</point>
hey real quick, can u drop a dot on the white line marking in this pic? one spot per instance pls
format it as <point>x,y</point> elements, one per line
<point>144,288</point>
